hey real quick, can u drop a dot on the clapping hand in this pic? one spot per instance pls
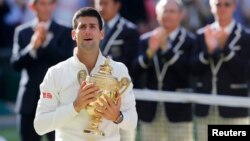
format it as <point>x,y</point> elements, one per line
<point>157,40</point>
<point>210,39</point>
<point>39,35</point>
<point>221,35</point>
<point>215,38</point>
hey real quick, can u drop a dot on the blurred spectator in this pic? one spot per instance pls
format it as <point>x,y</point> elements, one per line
<point>197,14</point>
<point>65,10</point>
<point>220,63</point>
<point>164,55</point>
<point>130,10</point>
<point>143,17</point>
<point>27,13</point>
<point>10,17</point>
<point>242,13</point>
<point>121,36</point>
<point>120,40</point>
<point>38,45</point>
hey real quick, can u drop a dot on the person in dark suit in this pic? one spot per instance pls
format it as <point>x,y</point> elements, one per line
<point>38,45</point>
<point>120,40</point>
<point>164,56</point>
<point>121,36</point>
<point>220,62</point>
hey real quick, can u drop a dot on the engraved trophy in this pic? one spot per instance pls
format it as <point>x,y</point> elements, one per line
<point>109,86</point>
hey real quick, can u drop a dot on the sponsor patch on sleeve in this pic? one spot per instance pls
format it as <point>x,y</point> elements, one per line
<point>47,95</point>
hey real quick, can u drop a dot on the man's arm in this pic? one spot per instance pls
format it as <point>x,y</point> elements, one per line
<point>23,55</point>
<point>49,115</point>
<point>128,109</point>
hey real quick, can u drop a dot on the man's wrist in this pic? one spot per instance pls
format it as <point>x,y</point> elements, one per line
<point>119,119</point>
<point>75,107</point>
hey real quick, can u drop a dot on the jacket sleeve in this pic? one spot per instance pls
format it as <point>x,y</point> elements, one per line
<point>23,55</point>
<point>49,114</point>
<point>128,107</point>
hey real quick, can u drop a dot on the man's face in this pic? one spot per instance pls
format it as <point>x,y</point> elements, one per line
<point>170,16</point>
<point>107,8</point>
<point>44,9</point>
<point>223,9</point>
<point>87,33</point>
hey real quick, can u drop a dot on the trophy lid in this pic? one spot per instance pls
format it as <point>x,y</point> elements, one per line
<point>106,69</point>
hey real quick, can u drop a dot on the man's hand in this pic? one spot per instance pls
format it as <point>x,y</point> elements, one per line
<point>87,93</point>
<point>109,109</point>
<point>39,36</point>
<point>157,40</point>
<point>210,39</point>
<point>222,36</point>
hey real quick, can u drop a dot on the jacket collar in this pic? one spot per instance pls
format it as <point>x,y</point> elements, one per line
<point>79,65</point>
<point>229,28</point>
<point>113,21</point>
<point>47,24</point>
<point>174,34</point>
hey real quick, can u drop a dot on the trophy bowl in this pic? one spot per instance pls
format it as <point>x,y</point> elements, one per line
<point>108,85</point>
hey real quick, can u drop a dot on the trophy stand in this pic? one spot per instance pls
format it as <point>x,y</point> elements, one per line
<point>93,129</point>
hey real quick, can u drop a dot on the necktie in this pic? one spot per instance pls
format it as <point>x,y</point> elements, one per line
<point>223,38</point>
<point>169,43</point>
<point>106,30</point>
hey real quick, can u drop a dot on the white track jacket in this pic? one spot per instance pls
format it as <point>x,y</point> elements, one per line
<point>55,109</point>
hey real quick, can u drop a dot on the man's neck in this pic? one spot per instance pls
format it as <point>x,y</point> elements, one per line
<point>171,29</point>
<point>224,23</point>
<point>88,58</point>
<point>111,22</point>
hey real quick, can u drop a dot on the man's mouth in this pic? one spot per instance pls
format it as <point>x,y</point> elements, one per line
<point>88,39</point>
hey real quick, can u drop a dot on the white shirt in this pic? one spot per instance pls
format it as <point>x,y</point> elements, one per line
<point>174,33</point>
<point>228,29</point>
<point>56,111</point>
<point>113,21</point>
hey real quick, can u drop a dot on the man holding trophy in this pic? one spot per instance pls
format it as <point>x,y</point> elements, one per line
<point>87,97</point>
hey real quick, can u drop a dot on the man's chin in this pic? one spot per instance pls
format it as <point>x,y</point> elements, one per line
<point>88,46</point>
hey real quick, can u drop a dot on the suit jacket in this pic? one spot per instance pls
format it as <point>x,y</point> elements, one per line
<point>224,72</point>
<point>33,67</point>
<point>173,66</point>
<point>121,42</point>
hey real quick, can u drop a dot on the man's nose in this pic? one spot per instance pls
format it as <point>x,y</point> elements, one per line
<point>88,30</point>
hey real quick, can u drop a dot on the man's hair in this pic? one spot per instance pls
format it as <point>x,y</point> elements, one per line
<point>117,0</point>
<point>87,12</point>
<point>35,1</point>
<point>212,3</point>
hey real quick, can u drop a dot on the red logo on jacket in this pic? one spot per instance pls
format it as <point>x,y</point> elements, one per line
<point>47,95</point>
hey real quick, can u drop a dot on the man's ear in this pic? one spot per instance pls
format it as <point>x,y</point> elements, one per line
<point>102,34</point>
<point>73,34</point>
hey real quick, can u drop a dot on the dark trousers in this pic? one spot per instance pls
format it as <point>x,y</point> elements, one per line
<point>27,131</point>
